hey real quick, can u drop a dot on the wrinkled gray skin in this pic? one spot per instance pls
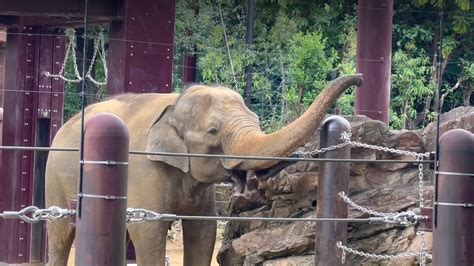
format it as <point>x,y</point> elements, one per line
<point>211,120</point>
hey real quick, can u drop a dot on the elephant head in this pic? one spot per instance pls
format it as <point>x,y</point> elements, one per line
<point>215,120</point>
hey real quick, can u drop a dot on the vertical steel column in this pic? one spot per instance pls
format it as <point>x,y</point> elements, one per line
<point>41,118</point>
<point>140,55</point>
<point>453,234</point>
<point>374,52</point>
<point>100,231</point>
<point>30,105</point>
<point>333,178</point>
<point>249,42</point>
<point>189,69</point>
<point>57,85</point>
<point>16,177</point>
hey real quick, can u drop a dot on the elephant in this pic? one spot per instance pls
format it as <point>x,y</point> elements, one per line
<point>203,120</point>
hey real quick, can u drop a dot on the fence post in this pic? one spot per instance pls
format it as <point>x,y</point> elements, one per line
<point>333,178</point>
<point>100,230</point>
<point>453,233</point>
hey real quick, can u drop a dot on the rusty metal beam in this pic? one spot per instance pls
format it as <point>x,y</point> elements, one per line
<point>140,56</point>
<point>374,50</point>
<point>64,8</point>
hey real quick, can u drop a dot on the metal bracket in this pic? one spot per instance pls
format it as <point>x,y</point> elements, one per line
<point>426,225</point>
<point>72,206</point>
<point>111,163</point>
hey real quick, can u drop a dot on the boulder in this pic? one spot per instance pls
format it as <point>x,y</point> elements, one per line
<point>461,117</point>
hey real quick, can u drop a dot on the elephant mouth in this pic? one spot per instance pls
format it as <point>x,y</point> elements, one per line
<point>239,177</point>
<point>264,174</point>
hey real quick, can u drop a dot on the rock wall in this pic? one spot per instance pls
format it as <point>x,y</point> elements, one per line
<point>380,186</point>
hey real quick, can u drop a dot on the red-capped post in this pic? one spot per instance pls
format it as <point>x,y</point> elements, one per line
<point>333,178</point>
<point>100,229</point>
<point>453,231</point>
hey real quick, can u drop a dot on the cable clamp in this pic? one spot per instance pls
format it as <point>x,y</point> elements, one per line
<point>451,204</point>
<point>106,197</point>
<point>108,162</point>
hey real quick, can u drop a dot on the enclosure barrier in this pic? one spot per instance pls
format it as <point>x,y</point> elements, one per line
<point>33,214</point>
<point>453,234</point>
<point>102,197</point>
<point>333,178</point>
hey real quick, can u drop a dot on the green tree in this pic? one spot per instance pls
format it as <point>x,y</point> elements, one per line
<point>409,88</point>
<point>300,46</point>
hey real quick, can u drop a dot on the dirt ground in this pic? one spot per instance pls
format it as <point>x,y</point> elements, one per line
<point>174,251</point>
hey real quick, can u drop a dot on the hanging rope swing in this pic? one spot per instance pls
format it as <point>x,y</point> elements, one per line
<point>99,50</point>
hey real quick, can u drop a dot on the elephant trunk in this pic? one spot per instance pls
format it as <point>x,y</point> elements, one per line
<point>286,140</point>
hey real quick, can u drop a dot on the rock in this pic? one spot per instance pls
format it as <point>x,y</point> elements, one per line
<point>291,261</point>
<point>461,117</point>
<point>250,200</point>
<point>260,244</point>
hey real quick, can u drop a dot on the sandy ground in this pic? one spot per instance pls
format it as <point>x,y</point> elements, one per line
<point>174,251</point>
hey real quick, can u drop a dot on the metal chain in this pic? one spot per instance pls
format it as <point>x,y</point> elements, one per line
<point>407,217</point>
<point>346,137</point>
<point>320,151</point>
<point>346,249</point>
<point>410,217</point>
<point>71,49</point>
<point>310,154</point>
<point>421,205</point>
<point>33,214</point>
<point>99,48</point>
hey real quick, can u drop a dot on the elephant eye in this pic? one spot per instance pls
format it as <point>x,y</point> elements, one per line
<point>213,130</point>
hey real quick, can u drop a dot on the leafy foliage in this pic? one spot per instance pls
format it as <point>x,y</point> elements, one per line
<point>296,50</point>
<point>409,88</point>
<point>299,46</point>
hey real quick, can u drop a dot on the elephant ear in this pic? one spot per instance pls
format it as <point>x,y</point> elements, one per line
<point>164,137</point>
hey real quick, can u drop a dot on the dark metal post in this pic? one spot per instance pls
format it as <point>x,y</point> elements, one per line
<point>374,51</point>
<point>189,69</point>
<point>249,41</point>
<point>333,178</point>
<point>100,231</point>
<point>453,234</point>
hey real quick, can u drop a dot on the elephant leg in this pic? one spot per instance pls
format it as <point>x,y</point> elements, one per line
<point>60,238</point>
<point>149,240</point>
<point>199,238</point>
